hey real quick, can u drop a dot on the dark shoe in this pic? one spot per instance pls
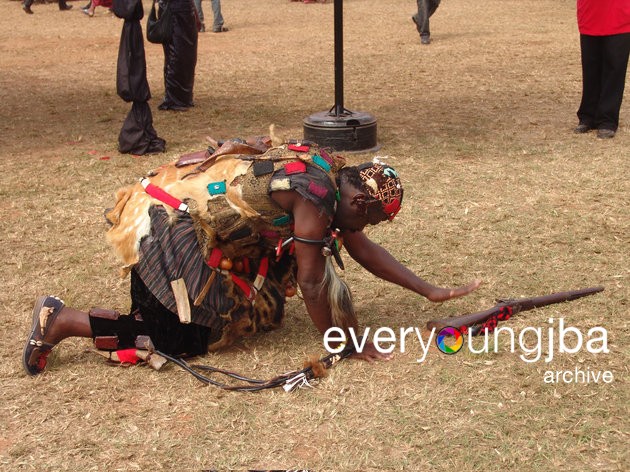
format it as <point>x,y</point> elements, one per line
<point>202,28</point>
<point>582,128</point>
<point>65,7</point>
<point>27,9</point>
<point>166,106</point>
<point>426,39</point>
<point>220,29</point>
<point>36,350</point>
<point>604,133</point>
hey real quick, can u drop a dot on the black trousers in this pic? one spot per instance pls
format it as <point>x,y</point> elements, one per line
<point>180,57</point>
<point>149,317</point>
<point>604,65</point>
<point>426,8</point>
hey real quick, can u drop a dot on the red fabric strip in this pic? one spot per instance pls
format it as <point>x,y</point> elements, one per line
<point>244,286</point>
<point>161,195</point>
<point>317,190</point>
<point>215,257</point>
<point>264,267</point>
<point>279,249</point>
<point>127,355</point>
<point>326,157</point>
<point>269,234</point>
<point>392,208</point>
<point>296,148</point>
<point>297,167</point>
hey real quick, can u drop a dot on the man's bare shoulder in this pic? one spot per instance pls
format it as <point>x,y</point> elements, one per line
<point>306,215</point>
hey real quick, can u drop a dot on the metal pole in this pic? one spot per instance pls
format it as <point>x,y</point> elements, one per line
<point>336,127</point>
<point>339,109</point>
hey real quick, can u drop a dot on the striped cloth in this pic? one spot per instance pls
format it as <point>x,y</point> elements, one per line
<point>171,252</point>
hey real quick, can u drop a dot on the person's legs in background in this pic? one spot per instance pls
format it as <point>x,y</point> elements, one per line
<point>202,28</point>
<point>217,25</point>
<point>64,6</point>
<point>591,52</point>
<point>615,51</point>
<point>26,6</point>
<point>426,8</point>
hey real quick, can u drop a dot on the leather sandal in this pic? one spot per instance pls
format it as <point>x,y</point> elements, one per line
<point>36,350</point>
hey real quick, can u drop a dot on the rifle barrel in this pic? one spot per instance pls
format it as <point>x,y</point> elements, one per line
<point>559,297</point>
<point>522,304</point>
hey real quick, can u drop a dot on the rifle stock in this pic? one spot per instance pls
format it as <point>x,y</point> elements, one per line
<point>511,306</point>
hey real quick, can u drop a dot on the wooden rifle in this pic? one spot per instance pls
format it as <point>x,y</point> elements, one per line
<point>475,323</point>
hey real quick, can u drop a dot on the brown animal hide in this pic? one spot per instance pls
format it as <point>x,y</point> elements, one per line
<point>130,218</point>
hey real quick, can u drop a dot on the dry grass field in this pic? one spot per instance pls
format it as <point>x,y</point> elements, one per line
<point>498,187</point>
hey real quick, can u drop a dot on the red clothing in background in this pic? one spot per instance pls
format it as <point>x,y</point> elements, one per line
<point>603,17</point>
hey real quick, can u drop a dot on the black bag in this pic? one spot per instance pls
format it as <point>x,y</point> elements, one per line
<point>159,29</point>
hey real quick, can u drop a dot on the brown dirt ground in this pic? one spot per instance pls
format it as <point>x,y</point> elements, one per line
<point>497,187</point>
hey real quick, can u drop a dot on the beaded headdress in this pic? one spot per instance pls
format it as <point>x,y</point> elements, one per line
<point>382,183</point>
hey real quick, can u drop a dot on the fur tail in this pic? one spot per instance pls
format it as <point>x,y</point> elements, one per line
<point>339,298</point>
<point>276,139</point>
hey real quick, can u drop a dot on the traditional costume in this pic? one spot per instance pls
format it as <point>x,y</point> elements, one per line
<point>211,253</point>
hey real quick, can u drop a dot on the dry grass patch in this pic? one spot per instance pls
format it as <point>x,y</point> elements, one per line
<point>497,187</point>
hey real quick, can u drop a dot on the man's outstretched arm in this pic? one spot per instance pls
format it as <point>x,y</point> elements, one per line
<point>381,263</point>
<point>311,223</point>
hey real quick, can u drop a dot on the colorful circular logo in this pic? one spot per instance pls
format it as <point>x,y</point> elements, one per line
<point>449,340</point>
